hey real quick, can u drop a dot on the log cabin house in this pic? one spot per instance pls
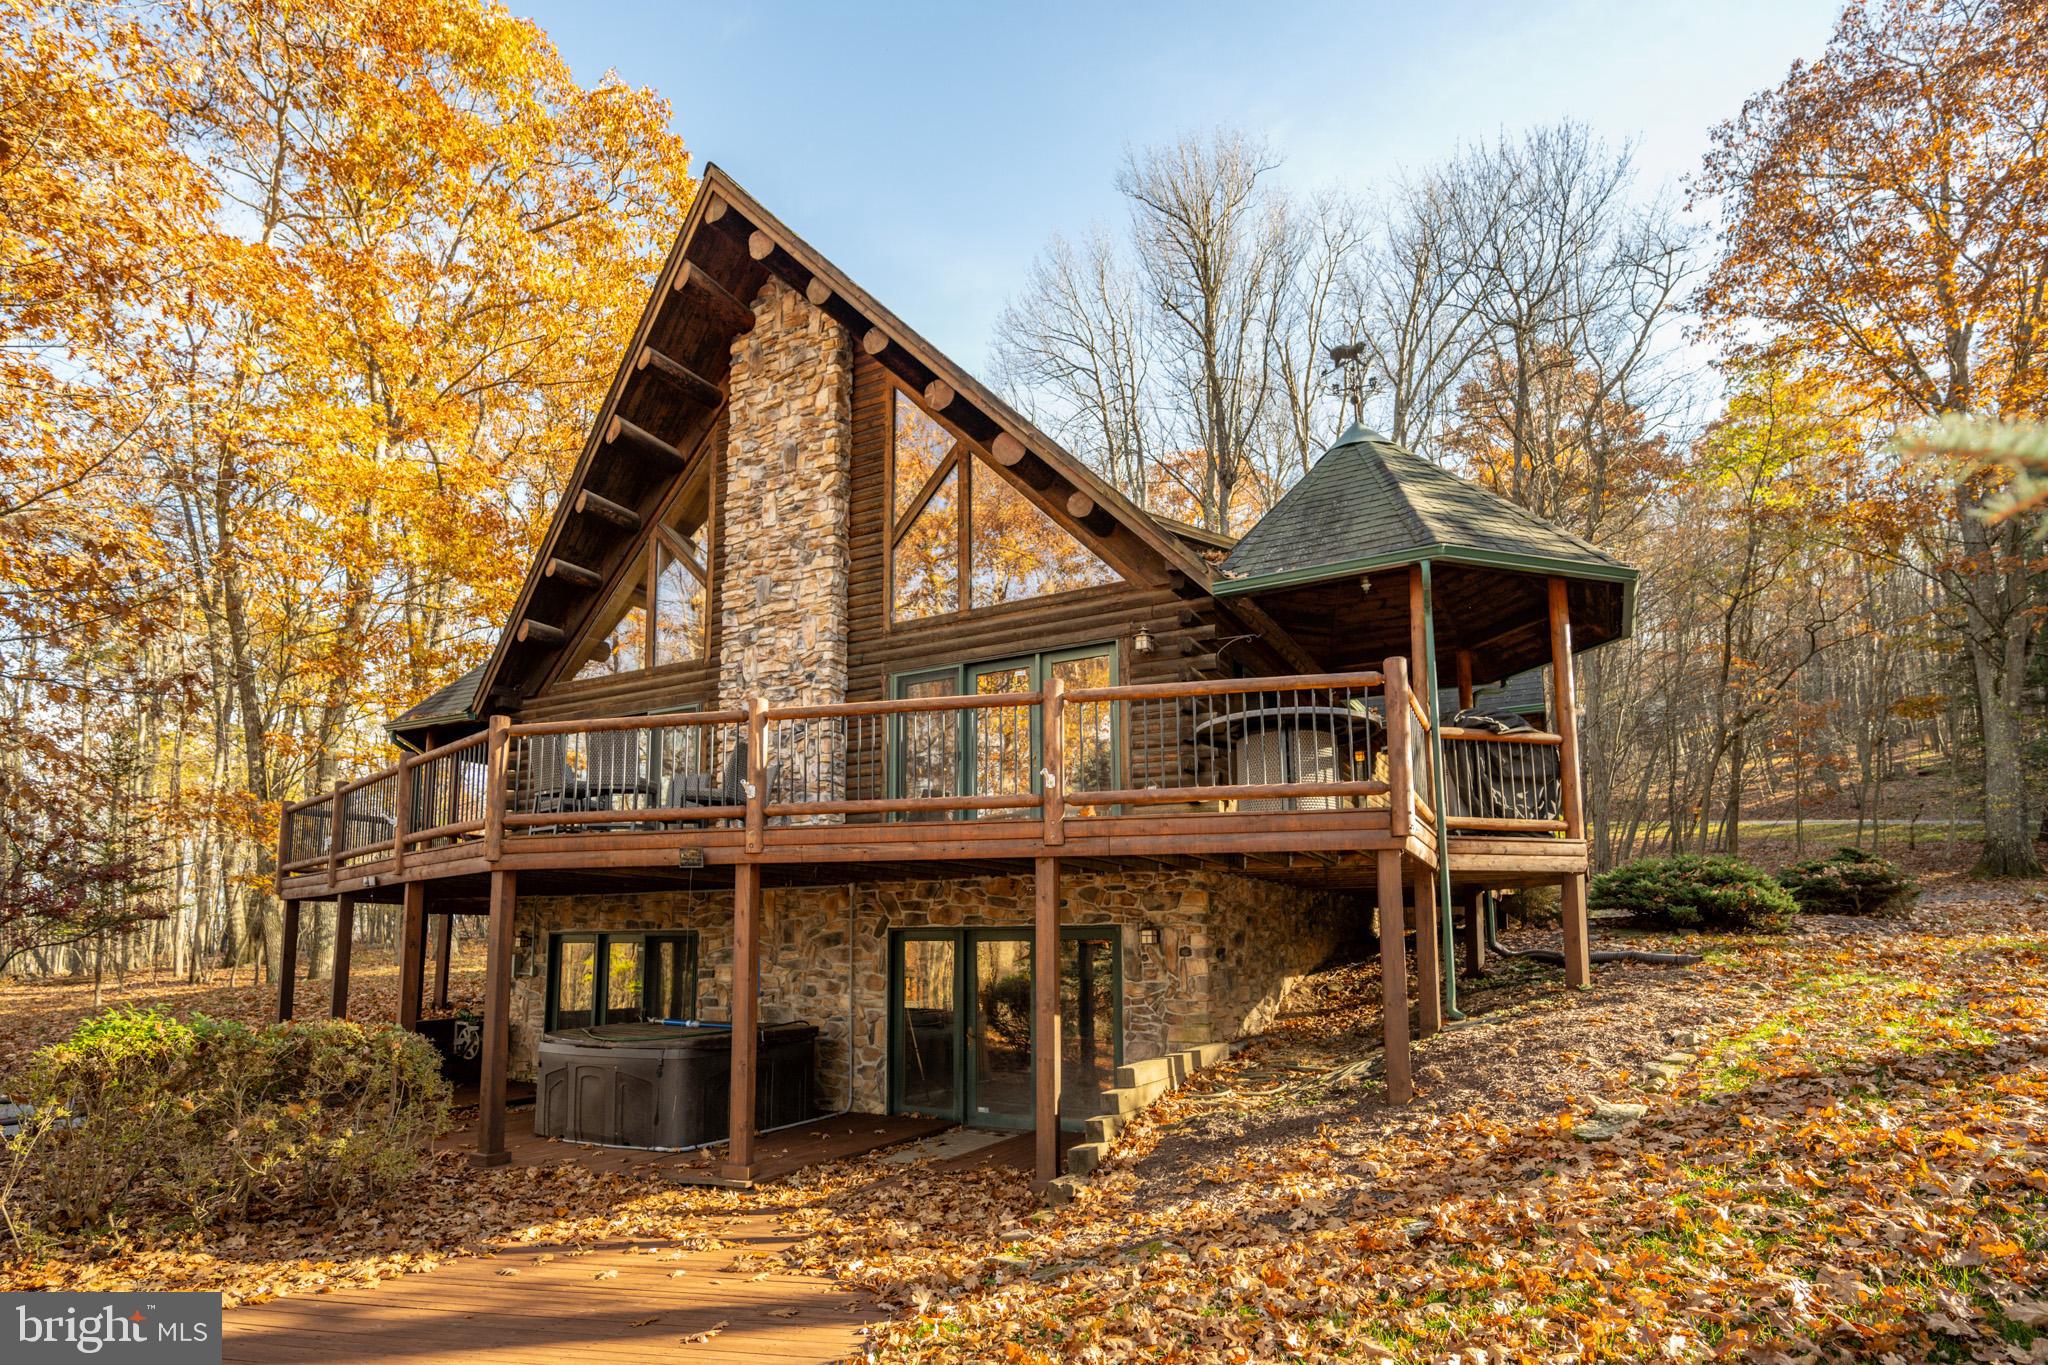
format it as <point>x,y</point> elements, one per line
<point>839,693</point>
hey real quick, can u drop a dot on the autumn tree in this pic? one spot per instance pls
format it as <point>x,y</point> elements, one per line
<point>1887,223</point>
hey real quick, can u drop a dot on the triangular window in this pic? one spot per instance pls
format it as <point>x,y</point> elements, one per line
<point>661,610</point>
<point>962,535</point>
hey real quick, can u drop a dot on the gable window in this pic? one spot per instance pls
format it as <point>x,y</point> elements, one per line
<point>620,978</point>
<point>659,612</point>
<point>961,535</point>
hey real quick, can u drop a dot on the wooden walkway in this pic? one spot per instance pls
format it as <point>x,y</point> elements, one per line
<point>776,1154</point>
<point>600,1305</point>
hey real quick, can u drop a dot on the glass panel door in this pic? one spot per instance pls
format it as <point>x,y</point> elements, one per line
<point>926,1024</point>
<point>1089,1023</point>
<point>1002,747</point>
<point>1001,1034</point>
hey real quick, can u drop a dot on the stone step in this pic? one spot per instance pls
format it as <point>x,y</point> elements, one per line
<point>1084,1157</point>
<point>1208,1054</point>
<point>1152,1070</point>
<point>1103,1127</point>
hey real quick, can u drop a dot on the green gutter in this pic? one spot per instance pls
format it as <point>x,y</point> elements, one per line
<point>1447,949</point>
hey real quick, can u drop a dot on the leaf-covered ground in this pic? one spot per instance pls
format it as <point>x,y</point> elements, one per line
<point>1851,1164</point>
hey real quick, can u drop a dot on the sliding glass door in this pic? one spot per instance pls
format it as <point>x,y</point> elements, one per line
<point>961,1031</point>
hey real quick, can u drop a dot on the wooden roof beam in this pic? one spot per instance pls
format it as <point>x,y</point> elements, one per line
<point>695,279</point>
<point>679,377</point>
<point>619,431</point>
<point>604,509</point>
<point>573,573</point>
<point>540,633</point>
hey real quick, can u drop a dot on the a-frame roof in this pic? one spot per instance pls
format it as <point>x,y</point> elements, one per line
<point>666,402</point>
<point>1370,504</point>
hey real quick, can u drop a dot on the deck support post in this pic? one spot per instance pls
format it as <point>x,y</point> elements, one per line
<point>1429,986</point>
<point>1045,1021</point>
<point>1475,933</point>
<point>344,942</point>
<point>746,1019</point>
<point>288,961</point>
<point>1564,705</point>
<point>1578,959</point>
<point>490,1102</point>
<point>1394,978</point>
<point>412,955</point>
<point>444,949</point>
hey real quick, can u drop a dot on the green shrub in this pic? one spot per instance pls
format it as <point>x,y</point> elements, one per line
<point>1693,892</point>
<point>1848,882</point>
<point>208,1120</point>
<point>1530,905</point>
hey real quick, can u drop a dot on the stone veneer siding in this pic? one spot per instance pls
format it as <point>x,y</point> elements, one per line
<point>789,448</point>
<point>1229,950</point>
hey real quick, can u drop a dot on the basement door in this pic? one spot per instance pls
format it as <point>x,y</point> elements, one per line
<point>961,1031</point>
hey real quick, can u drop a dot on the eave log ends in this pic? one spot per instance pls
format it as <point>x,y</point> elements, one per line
<point>939,395</point>
<point>604,509</point>
<point>679,377</point>
<point>637,438</point>
<point>540,633</point>
<point>818,292</point>
<point>572,573</point>
<point>874,341</point>
<point>694,279</point>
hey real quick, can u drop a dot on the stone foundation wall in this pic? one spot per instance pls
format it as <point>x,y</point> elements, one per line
<point>1229,949</point>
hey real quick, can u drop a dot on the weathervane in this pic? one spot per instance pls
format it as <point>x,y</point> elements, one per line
<point>1351,363</point>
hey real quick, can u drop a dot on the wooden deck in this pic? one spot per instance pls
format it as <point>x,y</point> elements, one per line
<point>776,1154</point>
<point>598,1304</point>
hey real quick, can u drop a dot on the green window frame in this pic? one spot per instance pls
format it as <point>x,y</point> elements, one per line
<point>909,733</point>
<point>670,994</point>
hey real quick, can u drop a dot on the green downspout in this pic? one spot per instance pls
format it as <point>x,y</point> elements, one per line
<point>1447,952</point>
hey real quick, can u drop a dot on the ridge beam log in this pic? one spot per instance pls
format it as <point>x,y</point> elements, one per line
<point>679,377</point>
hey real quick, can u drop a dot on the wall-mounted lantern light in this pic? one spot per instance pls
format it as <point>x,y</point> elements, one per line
<point>1141,643</point>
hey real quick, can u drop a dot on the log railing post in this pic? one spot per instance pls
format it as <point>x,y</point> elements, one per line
<point>335,829</point>
<point>401,816</point>
<point>757,774</point>
<point>1564,701</point>
<point>1400,775</point>
<point>1053,744</point>
<point>496,739</point>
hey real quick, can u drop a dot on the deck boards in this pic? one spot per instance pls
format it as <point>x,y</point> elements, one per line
<point>546,1312</point>
<point>777,1154</point>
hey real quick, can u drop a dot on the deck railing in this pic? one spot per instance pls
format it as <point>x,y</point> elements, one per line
<point>1253,746</point>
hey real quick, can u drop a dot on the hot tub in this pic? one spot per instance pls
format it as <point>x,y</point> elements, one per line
<point>667,1086</point>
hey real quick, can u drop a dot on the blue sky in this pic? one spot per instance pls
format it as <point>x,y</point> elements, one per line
<point>931,149</point>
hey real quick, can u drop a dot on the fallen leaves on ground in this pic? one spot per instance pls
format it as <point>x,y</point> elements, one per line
<point>1848,1162</point>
